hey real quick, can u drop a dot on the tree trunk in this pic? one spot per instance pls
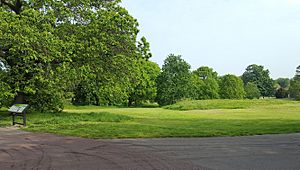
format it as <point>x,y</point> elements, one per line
<point>130,102</point>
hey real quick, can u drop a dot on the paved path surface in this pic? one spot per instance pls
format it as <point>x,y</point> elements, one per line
<point>21,150</point>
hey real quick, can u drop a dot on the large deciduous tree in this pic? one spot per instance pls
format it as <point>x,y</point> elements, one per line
<point>105,55</point>
<point>32,55</point>
<point>174,82</point>
<point>85,47</point>
<point>259,76</point>
<point>231,87</point>
<point>205,84</point>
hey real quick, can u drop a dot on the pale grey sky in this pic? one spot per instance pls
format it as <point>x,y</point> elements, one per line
<point>227,35</point>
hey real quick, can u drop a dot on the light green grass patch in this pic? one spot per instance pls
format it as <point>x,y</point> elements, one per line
<point>257,117</point>
<point>227,104</point>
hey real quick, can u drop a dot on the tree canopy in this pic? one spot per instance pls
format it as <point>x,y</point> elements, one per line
<point>205,82</point>
<point>252,91</point>
<point>283,82</point>
<point>88,52</point>
<point>173,83</point>
<point>261,77</point>
<point>295,85</point>
<point>231,87</point>
<point>88,48</point>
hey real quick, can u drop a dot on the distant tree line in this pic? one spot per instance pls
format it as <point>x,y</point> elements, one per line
<point>88,52</point>
<point>177,82</point>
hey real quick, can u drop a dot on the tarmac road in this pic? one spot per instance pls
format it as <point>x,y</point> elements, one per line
<point>22,150</point>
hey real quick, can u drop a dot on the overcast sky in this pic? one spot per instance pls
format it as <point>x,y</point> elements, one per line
<point>227,35</point>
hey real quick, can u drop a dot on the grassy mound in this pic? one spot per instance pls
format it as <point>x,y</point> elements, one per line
<point>225,104</point>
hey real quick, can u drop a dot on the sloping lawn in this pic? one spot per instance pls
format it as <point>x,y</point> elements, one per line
<point>226,104</point>
<point>254,118</point>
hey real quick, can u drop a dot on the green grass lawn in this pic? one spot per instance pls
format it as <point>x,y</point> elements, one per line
<point>184,119</point>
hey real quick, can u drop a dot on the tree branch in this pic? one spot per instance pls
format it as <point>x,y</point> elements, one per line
<point>14,7</point>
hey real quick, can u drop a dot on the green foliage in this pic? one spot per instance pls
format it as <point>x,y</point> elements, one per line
<point>231,87</point>
<point>259,76</point>
<point>283,82</point>
<point>106,58</point>
<point>31,53</point>
<point>295,85</point>
<point>144,48</point>
<point>145,89</point>
<point>107,85</point>
<point>51,49</point>
<point>297,76</point>
<point>47,99</point>
<point>205,84</point>
<point>252,91</point>
<point>205,73</point>
<point>174,82</point>
<point>6,94</point>
<point>295,89</point>
<point>281,93</point>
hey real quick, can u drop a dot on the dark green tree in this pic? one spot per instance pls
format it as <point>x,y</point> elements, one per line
<point>174,82</point>
<point>252,91</point>
<point>295,89</point>
<point>283,82</point>
<point>259,76</point>
<point>281,93</point>
<point>298,72</point>
<point>231,87</point>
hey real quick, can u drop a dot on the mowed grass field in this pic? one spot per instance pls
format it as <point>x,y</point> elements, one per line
<point>184,119</point>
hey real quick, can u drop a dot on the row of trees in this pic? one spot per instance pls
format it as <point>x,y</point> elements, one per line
<point>177,82</point>
<point>87,51</point>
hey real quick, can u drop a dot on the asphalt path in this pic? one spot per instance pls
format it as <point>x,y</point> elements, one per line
<point>23,150</point>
